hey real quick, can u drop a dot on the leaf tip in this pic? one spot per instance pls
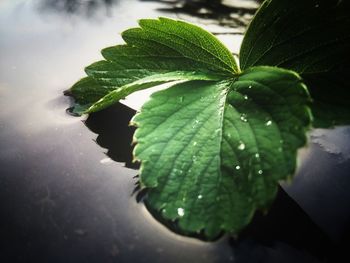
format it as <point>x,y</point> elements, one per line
<point>133,123</point>
<point>68,92</point>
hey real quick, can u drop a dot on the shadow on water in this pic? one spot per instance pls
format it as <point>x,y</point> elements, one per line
<point>218,12</point>
<point>76,7</point>
<point>285,234</point>
<point>114,132</point>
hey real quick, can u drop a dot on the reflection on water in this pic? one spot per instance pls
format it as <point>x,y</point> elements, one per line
<point>223,13</point>
<point>78,7</point>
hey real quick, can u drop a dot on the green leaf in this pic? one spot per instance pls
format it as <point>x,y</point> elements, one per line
<point>160,51</point>
<point>214,145</point>
<point>307,36</point>
<point>184,39</point>
<point>147,82</point>
<point>86,92</point>
<point>311,37</point>
<point>213,152</point>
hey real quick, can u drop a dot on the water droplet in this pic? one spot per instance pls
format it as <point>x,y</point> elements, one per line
<point>228,135</point>
<point>317,6</point>
<point>194,143</point>
<point>241,146</point>
<point>194,158</point>
<point>180,211</point>
<point>280,149</point>
<point>257,155</point>
<point>238,167</point>
<point>260,172</point>
<point>196,121</point>
<point>200,196</point>
<point>245,97</point>
<point>268,123</point>
<point>244,118</point>
<point>250,86</point>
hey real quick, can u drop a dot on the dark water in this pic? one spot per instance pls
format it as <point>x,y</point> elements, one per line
<point>63,196</point>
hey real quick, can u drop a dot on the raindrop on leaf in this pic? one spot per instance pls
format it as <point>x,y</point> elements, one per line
<point>180,211</point>
<point>268,123</point>
<point>244,118</point>
<point>241,146</point>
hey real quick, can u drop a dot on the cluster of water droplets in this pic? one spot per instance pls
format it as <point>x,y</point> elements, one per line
<point>248,166</point>
<point>280,149</point>
<point>194,158</point>
<point>176,171</point>
<point>195,123</point>
<point>244,117</point>
<point>257,160</point>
